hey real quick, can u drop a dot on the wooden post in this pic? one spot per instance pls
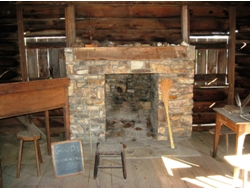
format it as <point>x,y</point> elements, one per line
<point>23,63</point>
<point>70,25</point>
<point>231,54</point>
<point>185,26</point>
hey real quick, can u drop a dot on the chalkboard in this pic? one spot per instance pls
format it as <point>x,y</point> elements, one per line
<point>67,158</point>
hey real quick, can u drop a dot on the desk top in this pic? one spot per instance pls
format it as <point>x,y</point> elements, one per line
<point>234,116</point>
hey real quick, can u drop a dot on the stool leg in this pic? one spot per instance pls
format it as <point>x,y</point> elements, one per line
<point>37,158</point>
<point>123,165</point>
<point>227,143</point>
<point>39,153</point>
<point>19,159</point>
<point>97,159</point>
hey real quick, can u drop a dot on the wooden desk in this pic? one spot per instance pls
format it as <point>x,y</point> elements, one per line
<point>233,121</point>
<point>28,97</point>
<point>239,125</point>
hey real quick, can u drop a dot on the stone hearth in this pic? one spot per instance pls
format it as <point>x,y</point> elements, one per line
<point>88,68</point>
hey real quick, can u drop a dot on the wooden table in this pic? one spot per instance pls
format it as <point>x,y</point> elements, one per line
<point>28,97</point>
<point>239,125</point>
<point>233,121</point>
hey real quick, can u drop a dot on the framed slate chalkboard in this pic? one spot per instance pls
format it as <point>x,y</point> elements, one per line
<point>67,158</point>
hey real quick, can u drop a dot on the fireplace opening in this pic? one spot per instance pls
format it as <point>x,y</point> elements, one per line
<point>129,103</point>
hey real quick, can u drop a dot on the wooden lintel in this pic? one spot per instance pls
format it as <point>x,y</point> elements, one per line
<point>130,53</point>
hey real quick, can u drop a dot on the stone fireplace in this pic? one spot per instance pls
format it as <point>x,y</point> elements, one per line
<point>114,85</point>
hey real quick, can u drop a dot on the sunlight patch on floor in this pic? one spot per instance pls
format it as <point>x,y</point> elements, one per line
<point>213,181</point>
<point>172,164</point>
<point>216,181</point>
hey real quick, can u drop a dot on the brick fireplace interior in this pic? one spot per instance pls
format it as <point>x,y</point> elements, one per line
<point>114,92</point>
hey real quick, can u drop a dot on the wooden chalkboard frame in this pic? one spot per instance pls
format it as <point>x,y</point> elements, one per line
<point>67,158</point>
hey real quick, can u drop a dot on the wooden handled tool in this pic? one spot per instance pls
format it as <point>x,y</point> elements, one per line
<point>166,85</point>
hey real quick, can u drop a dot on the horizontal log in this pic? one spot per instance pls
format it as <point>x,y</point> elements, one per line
<point>147,36</point>
<point>243,83</point>
<point>244,72</point>
<point>9,47</point>
<point>9,53</point>
<point>45,33</point>
<point>129,53</point>
<point>242,36</point>
<point>203,118</point>
<point>9,62</point>
<point>8,10</point>
<point>205,24</point>
<point>38,12</point>
<point>31,45</point>
<point>213,79</point>
<point>130,23</point>
<point>169,3</point>
<point>221,45</point>
<point>208,11</point>
<point>213,95</point>
<point>8,74</point>
<point>244,60</point>
<point>123,11</point>
<point>243,92</point>
<point>241,49</point>
<point>9,29</point>
<point>207,106</point>
<point>40,25</point>
<point>202,128</point>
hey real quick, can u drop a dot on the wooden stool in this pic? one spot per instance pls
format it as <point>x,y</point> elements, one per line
<point>224,131</point>
<point>240,162</point>
<point>111,149</point>
<point>29,136</point>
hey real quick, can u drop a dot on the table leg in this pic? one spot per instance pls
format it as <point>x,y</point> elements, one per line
<point>216,136</point>
<point>47,127</point>
<point>66,122</point>
<point>240,138</point>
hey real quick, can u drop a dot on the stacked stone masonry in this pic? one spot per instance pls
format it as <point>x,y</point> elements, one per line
<point>87,92</point>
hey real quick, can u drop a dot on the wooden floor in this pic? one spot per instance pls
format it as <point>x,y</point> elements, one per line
<point>202,171</point>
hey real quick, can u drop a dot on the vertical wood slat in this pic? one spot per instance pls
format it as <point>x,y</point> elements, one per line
<point>33,69</point>
<point>70,25</point>
<point>43,63</point>
<point>212,61</point>
<point>222,61</point>
<point>185,26</point>
<point>54,61</point>
<point>201,62</point>
<point>20,27</point>
<point>231,54</point>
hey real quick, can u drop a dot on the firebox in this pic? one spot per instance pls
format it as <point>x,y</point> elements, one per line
<point>129,105</point>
